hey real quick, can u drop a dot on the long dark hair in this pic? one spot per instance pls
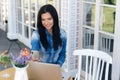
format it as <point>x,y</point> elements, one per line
<point>55,29</point>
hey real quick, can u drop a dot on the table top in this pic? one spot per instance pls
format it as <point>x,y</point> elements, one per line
<point>10,71</point>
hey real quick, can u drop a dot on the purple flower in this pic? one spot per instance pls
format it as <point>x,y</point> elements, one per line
<point>22,59</point>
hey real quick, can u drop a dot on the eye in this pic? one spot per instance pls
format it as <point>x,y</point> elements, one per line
<point>43,19</point>
<point>49,18</point>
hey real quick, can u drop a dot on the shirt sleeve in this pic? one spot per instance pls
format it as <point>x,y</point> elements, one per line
<point>35,41</point>
<point>62,55</point>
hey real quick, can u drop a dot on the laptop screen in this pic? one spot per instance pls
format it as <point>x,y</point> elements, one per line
<point>44,71</point>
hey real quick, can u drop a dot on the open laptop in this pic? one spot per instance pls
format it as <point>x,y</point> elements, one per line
<point>44,71</point>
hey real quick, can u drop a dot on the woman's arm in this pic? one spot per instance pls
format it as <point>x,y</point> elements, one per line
<point>35,46</point>
<point>62,55</point>
<point>35,41</point>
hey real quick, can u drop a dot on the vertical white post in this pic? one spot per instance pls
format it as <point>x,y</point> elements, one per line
<point>97,20</point>
<point>116,53</point>
<point>69,24</point>
<point>57,4</point>
<point>11,20</point>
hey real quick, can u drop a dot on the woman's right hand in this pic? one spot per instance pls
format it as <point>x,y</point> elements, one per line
<point>35,59</point>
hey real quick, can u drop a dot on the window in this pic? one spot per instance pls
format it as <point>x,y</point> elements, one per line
<point>108,18</point>
<point>89,15</point>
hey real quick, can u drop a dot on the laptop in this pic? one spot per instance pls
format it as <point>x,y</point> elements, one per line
<point>44,71</point>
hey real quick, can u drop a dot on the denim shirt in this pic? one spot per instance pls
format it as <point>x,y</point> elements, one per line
<point>50,56</point>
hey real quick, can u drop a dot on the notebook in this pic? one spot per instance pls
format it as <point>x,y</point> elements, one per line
<point>44,71</point>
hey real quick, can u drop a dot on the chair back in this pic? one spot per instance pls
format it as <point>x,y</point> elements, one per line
<point>93,65</point>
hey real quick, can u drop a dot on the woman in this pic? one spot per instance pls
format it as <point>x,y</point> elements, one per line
<point>49,40</point>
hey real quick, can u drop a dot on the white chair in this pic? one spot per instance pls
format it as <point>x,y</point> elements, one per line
<point>66,76</point>
<point>96,64</point>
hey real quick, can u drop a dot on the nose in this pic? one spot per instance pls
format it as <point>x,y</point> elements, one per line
<point>46,22</point>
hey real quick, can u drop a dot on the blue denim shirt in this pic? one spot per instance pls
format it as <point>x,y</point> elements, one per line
<point>50,56</point>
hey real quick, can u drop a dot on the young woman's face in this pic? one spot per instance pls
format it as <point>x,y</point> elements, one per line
<point>47,21</point>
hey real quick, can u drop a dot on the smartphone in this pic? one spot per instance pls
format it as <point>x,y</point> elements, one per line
<point>35,55</point>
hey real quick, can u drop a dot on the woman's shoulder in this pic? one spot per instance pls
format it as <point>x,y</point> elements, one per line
<point>62,33</point>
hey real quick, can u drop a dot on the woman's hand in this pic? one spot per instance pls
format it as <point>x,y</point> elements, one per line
<point>35,59</point>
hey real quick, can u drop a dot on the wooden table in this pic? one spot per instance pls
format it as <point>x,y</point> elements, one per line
<point>10,71</point>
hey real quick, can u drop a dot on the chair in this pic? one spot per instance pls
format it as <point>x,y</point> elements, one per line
<point>93,65</point>
<point>66,76</point>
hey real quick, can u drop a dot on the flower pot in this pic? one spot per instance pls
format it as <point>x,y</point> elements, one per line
<point>20,73</point>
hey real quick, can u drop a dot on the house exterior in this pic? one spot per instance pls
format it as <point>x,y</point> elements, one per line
<point>89,24</point>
